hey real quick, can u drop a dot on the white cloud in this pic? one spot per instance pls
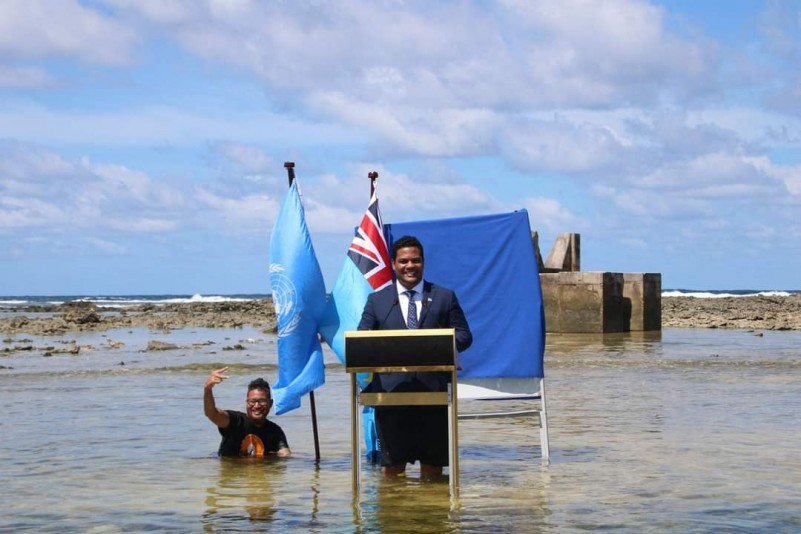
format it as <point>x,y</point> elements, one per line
<point>713,175</point>
<point>560,145</point>
<point>39,189</point>
<point>427,197</point>
<point>750,124</point>
<point>132,186</point>
<point>24,78</point>
<point>26,168</point>
<point>617,118</point>
<point>251,159</point>
<point>41,29</point>
<point>244,214</point>
<point>18,213</point>
<point>423,55</point>
<point>649,206</point>
<point>127,224</point>
<point>549,217</point>
<point>158,10</point>
<point>437,132</point>
<point>109,247</point>
<point>789,175</point>
<point>186,124</point>
<point>325,217</point>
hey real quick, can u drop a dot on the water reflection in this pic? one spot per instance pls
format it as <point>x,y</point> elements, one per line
<point>404,504</point>
<point>244,490</point>
<point>595,344</point>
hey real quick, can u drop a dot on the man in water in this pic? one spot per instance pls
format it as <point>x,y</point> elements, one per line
<point>249,433</point>
<point>407,434</point>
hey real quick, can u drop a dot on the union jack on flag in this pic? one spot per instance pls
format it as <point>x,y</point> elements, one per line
<point>369,250</point>
<point>365,269</point>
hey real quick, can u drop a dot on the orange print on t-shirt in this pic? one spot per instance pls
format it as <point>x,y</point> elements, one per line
<point>252,446</point>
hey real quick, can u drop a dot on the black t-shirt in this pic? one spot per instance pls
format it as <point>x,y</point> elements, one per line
<point>242,438</point>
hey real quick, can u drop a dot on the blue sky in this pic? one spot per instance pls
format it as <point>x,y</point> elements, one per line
<point>142,142</point>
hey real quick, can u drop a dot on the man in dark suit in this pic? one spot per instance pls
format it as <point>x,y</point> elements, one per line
<point>407,434</point>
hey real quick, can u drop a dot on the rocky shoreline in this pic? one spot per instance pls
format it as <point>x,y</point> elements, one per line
<point>752,313</point>
<point>79,316</point>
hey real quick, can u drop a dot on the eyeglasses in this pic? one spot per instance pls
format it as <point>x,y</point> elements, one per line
<point>260,402</point>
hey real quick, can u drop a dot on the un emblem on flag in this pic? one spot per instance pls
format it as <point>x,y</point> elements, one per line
<point>285,300</point>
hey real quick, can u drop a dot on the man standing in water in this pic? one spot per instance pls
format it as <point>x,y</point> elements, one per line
<point>407,434</point>
<point>249,433</point>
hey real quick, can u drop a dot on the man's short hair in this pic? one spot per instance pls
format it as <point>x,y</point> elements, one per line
<point>406,242</point>
<point>261,384</point>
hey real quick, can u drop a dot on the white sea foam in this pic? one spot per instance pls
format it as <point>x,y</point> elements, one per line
<point>716,295</point>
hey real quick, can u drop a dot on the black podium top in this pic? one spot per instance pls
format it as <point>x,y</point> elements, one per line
<point>435,347</point>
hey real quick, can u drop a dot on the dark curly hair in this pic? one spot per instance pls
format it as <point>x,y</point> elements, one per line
<point>261,384</point>
<point>405,242</point>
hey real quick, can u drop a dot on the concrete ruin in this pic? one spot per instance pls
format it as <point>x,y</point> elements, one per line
<point>595,301</point>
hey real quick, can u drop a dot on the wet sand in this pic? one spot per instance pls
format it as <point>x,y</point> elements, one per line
<point>753,313</point>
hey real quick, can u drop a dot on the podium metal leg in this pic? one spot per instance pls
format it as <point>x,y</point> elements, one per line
<point>453,439</point>
<point>354,434</point>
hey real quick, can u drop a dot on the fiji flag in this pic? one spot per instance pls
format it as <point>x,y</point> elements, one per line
<point>366,269</point>
<point>298,293</point>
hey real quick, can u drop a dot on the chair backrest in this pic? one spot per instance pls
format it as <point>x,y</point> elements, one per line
<point>500,389</point>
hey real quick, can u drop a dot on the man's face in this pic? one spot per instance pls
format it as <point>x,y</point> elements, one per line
<point>408,265</point>
<point>258,405</point>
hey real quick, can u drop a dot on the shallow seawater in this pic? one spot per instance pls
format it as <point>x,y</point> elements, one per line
<point>684,430</point>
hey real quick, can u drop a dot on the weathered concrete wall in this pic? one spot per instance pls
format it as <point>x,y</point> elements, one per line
<point>644,291</point>
<point>584,302</point>
<point>600,302</point>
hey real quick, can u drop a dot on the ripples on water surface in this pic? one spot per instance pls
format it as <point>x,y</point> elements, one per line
<point>687,430</point>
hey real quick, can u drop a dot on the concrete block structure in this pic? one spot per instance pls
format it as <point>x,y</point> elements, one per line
<point>644,292</point>
<point>595,302</point>
<point>601,302</point>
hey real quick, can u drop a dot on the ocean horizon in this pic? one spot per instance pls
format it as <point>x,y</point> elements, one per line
<point>120,301</point>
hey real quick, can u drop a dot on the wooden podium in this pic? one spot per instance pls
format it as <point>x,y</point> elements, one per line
<point>402,351</point>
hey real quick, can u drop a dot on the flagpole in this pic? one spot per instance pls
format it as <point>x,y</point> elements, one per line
<point>290,171</point>
<point>373,176</point>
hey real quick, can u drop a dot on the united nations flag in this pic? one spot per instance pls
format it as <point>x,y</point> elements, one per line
<point>298,293</point>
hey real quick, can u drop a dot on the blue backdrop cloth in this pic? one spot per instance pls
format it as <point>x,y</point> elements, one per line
<point>298,292</point>
<point>489,262</point>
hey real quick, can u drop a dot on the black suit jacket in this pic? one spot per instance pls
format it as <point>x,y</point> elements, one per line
<point>440,309</point>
